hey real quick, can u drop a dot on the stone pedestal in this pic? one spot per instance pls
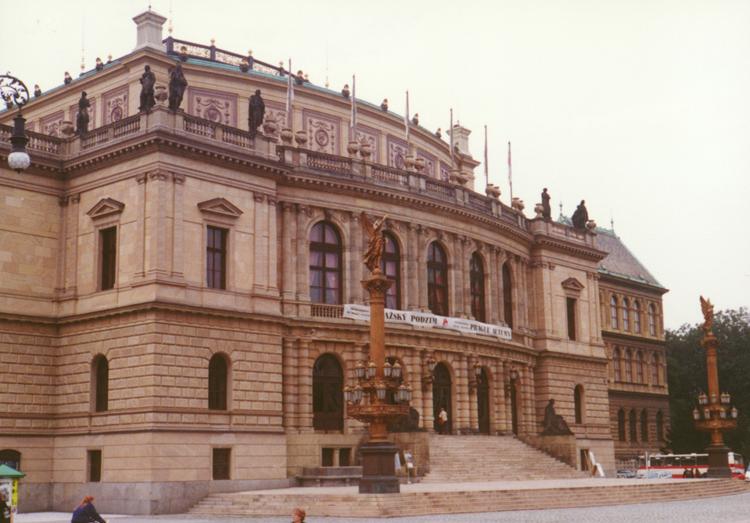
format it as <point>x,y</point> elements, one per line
<point>718,462</point>
<point>378,468</point>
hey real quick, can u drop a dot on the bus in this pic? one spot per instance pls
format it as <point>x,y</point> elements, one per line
<point>675,465</point>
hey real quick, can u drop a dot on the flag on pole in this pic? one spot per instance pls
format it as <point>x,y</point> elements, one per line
<point>353,132</point>
<point>486,160</point>
<point>289,96</point>
<point>510,173</point>
<point>406,117</point>
<point>451,135</point>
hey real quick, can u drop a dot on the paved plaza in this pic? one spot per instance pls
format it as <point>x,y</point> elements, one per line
<point>725,508</point>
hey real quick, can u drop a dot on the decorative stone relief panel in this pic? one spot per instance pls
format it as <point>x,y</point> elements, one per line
<point>51,124</point>
<point>115,105</point>
<point>275,112</point>
<point>445,171</point>
<point>429,162</point>
<point>212,105</point>
<point>73,112</point>
<point>323,132</point>
<point>397,151</point>
<point>372,136</point>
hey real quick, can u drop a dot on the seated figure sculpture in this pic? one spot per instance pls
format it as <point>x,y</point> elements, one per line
<point>554,424</point>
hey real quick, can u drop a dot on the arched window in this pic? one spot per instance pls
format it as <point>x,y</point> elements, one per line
<point>644,425</point>
<point>616,364</point>
<point>476,277</point>
<point>633,426</point>
<point>639,364</point>
<point>656,371</point>
<point>613,312</point>
<point>621,425</point>
<point>437,279</point>
<point>325,264</point>
<point>328,394</point>
<point>100,378</point>
<point>578,399</point>
<point>659,426</point>
<point>507,296</point>
<point>628,363</point>
<point>11,458</point>
<point>652,319</point>
<point>391,267</point>
<point>625,315</point>
<point>637,317</point>
<point>218,370</point>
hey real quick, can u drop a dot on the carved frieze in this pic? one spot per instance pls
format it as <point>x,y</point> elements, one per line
<point>445,172</point>
<point>275,112</point>
<point>429,162</point>
<point>50,124</point>
<point>370,136</point>
<point>397,151</point>
<point>115,105</point>
<point>216,106</point>
<point>323,132</point>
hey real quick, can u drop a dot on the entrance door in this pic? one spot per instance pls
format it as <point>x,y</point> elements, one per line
<point>483,402</point>
<point>441,395</point>
<point>514,405</point>
<point>328,394</point>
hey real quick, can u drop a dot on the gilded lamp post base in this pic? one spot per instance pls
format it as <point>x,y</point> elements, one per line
<point>379,468</point>
<point>718,462</point>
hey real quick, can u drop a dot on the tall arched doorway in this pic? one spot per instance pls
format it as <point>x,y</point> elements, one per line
<point>328,394</point>
<point>483,401</point>
<point>514,404</point>
<point>441,395</point>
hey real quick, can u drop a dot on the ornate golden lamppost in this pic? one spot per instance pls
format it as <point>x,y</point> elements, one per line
<point>380,397</point>
<point>713,413</point>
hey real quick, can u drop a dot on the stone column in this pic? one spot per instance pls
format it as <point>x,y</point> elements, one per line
<point>527,422</point>
<point>493,307</point>
<point>498,404</point>
<point>466,251</point>
<point>428,418</point>
<point>303,284</point>
<point>422,267</point>
<point>461,416</point>
<point>532,400</point>
<point>356,266</point>
<point>472,395</point>
<point>260,248</point>
<point>156,230</point>
<point>288,261</point>
<point>271,249</point>
<point>289,384</point>
<point>178,226</point>
<point>456,287</point>
<point>304,384</point>
<point>141,213</point>
<point>412,284</point>
<point>61,245</point>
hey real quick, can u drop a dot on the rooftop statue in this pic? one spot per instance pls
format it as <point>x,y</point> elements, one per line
<point>177,85</point>
<point>708,315</point>
<point>580,216</point>
<point>546,209</point>
<point>256,113</point>
<point>376,243</point>
<point>554,424</point>
<point>148,81</point>
<point>82,120</point>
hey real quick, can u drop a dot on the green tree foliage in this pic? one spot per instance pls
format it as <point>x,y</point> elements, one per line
<point>686,366</point>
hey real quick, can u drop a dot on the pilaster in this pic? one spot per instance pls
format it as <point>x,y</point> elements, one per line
<point>178,226</point>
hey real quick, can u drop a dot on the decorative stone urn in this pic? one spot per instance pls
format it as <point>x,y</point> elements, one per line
<point>591,225</point>
<point>365,149</point>
<point>67,128</point>
<point>287,135</point>
<point>419,164</point>
<point>301,138</point>
<point>517,203</point>
<point>160,93</point>
<point>539,210</point>
<point>492,191</point>
<point>352,147</point>
<point>409,162</point>
<point>270,127</point>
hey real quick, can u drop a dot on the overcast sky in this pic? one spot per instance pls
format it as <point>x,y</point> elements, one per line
<point>642,108</point>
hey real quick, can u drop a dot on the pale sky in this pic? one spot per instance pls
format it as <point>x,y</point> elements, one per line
<point>642,108</point>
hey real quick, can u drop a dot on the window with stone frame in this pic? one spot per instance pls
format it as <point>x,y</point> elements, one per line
<point>644,425</point>
<point>613,313</point>
<point>639,367</point>
<point>507,295</point>
<point>11,458</point>
<point>218,381</point>
<point>621,425</point>
<point>571,306</point>
<point>216,257</point>
<point>107,258</point>
<point>616,363</point>
<point>476,280</point>
<point>437,279</point>
<point>578,403</point>
<point>100,383</point>
<point>633,426</point>
<point>628,364</point>
<point>652,319</point>
<point>656,362</point>
<point>659,426</point>
<point>625,315</point>
<point>325,264</point>
<point>221,461</point>
<point>94,462</point>
<point>391,267</point>
<point>636,316</point>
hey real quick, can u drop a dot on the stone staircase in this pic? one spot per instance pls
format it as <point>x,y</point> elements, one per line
<point>459,459</point>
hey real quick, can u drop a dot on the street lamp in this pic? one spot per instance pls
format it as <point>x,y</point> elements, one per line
<point>14,91</point>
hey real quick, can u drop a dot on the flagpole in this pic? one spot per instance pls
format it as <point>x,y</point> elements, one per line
<point>289,97</point>
<point>451,135</point>
<point>406,120</point>
<point>510,173</point>
<point>486,161</point>
<point>354,109</point>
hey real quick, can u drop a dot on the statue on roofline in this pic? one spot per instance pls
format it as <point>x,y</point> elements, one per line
<point>376,242</point>
<point>177,85</point>
<point>256,113</point>
<point>148,81</point>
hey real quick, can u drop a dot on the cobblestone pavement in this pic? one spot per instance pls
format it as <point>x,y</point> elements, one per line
<point>735,509</point>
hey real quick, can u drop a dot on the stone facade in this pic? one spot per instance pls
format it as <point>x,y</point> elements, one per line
<point>163,182</point>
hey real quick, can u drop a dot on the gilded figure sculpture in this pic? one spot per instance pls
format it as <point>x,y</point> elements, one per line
<point>376,243</point>
<point>708,315</point>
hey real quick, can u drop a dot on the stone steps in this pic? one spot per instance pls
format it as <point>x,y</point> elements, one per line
<point>327,502</point>
<point>488,458</point>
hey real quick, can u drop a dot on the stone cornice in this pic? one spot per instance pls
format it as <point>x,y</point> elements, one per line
<point>631,283</point>
<point>576,249</point>
<point>632,338</point>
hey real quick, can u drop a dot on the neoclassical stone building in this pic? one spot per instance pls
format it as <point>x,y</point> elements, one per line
<point>172,290</point>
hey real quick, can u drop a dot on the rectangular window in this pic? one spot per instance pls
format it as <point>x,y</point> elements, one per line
<point>216,258</point>
<point>221,461</point>
<point>345,457</point>
<point>326,459</point>
<point>571,303</point>
<point>108,257</point>
<point>94,459</point>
